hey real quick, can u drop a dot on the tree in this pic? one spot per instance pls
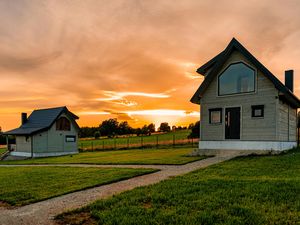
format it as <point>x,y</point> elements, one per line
<point>145,130</point>
<point>151,128</point>
<point>87,131</point>
<point>138,131</point>
<point>195,131</point>
<point>164,127</point>
<point>97,135</point>
<point>109,127</point>
<point>124,128</point>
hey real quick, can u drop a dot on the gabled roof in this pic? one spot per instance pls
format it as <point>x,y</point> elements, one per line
<point>41,120</point>
<point>203,69</point>
<point>218,61</point>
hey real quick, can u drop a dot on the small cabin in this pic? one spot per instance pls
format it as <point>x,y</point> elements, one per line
<point>243,106</point>
<point>46,132</point>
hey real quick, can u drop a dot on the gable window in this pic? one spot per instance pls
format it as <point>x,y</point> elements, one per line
<point>215,116</point>
<point>235,79</point>
<point>257,110</point>
<point>63,124</point>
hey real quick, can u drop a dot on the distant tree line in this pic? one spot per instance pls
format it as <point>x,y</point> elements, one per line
<point>112,128</point>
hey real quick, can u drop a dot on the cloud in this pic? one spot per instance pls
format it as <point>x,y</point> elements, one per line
<point>120,97</point>
<point>20,64</point>
<point>68,52</point>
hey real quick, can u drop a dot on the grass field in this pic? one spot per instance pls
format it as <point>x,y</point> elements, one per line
<point>23,185</point>
<point>2,150</point>
<point>137,156</point>
<point>134,141</point>
<point>250,190</point>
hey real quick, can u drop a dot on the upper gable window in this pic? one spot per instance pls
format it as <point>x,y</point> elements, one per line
<point>63,124</point>
<point>236,78</point>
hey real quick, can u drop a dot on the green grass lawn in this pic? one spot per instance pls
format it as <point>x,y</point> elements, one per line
<point>137,156</point>
<point>120,142</point>
<point>2,150</point>
<point>23,185</point>
<point>250,190</point>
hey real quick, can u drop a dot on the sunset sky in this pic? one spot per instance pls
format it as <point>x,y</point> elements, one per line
<point>134,60</point>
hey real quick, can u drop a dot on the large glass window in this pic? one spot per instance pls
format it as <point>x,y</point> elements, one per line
<point>237,78</point>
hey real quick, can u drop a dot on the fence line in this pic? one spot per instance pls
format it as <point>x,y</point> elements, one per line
<point>141,142</point>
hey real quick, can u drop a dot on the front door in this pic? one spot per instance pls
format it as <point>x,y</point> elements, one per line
<point>232,123</point>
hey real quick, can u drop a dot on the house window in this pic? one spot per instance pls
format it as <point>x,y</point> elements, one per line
<point>63,124</point>
<point>257,111</point>
<point>236,78</point>
<point>70,138</point>
<point>215,116</point>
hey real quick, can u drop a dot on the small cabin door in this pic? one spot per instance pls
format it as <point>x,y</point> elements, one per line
<point>232,123</point>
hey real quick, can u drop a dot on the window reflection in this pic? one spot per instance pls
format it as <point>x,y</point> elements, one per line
<point>237,78</point>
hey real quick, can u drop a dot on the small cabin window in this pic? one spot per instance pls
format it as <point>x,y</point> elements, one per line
<point>258,111</point>
<point>70,138</point>
<point>235,79</point>
<point>63,124</point>
<point>215,116</point>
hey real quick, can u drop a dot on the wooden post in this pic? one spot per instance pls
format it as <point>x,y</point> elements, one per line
<point>173,140</point>
<point>298,138</point>
<point>7,144</point>
<point>142,141</point>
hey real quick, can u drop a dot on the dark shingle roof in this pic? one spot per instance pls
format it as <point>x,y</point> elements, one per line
<point>40,120</point>
<point>217,62</point>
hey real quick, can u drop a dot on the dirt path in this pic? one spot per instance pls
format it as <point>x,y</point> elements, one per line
<point>43,212</point>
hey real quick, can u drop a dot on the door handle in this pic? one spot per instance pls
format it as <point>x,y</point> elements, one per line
<point>228,119</point>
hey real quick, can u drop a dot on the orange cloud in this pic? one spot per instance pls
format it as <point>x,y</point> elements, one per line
<point>102,58</point>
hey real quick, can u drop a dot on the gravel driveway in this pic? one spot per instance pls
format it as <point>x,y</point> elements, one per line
<point>43,212</point>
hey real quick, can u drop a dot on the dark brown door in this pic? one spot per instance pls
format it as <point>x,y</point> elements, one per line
<point>232,123</point>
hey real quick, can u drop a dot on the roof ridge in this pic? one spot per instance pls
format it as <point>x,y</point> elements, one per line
<point>50,108</point>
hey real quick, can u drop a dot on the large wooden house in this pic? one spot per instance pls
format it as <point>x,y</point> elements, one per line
<point>243,106</point>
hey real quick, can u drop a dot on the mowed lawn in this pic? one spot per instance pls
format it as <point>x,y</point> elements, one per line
<point>137,156</point>
<point>250,190</point>
<point>2,150</point>
<point>23,185</point>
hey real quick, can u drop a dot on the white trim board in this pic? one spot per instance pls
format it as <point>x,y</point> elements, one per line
<point>247,145</point>
<point>46,154</point>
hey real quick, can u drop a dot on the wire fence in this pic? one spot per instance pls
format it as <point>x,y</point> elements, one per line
<point>137,142</point>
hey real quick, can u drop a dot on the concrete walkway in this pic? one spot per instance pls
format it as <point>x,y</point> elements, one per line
<point>43,212</point>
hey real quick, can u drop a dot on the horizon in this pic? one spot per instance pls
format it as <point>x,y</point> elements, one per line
<point>131,60</point>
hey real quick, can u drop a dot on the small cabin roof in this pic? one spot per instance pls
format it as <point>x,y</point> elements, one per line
<point>40,120</point>
<point>216,63</point>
